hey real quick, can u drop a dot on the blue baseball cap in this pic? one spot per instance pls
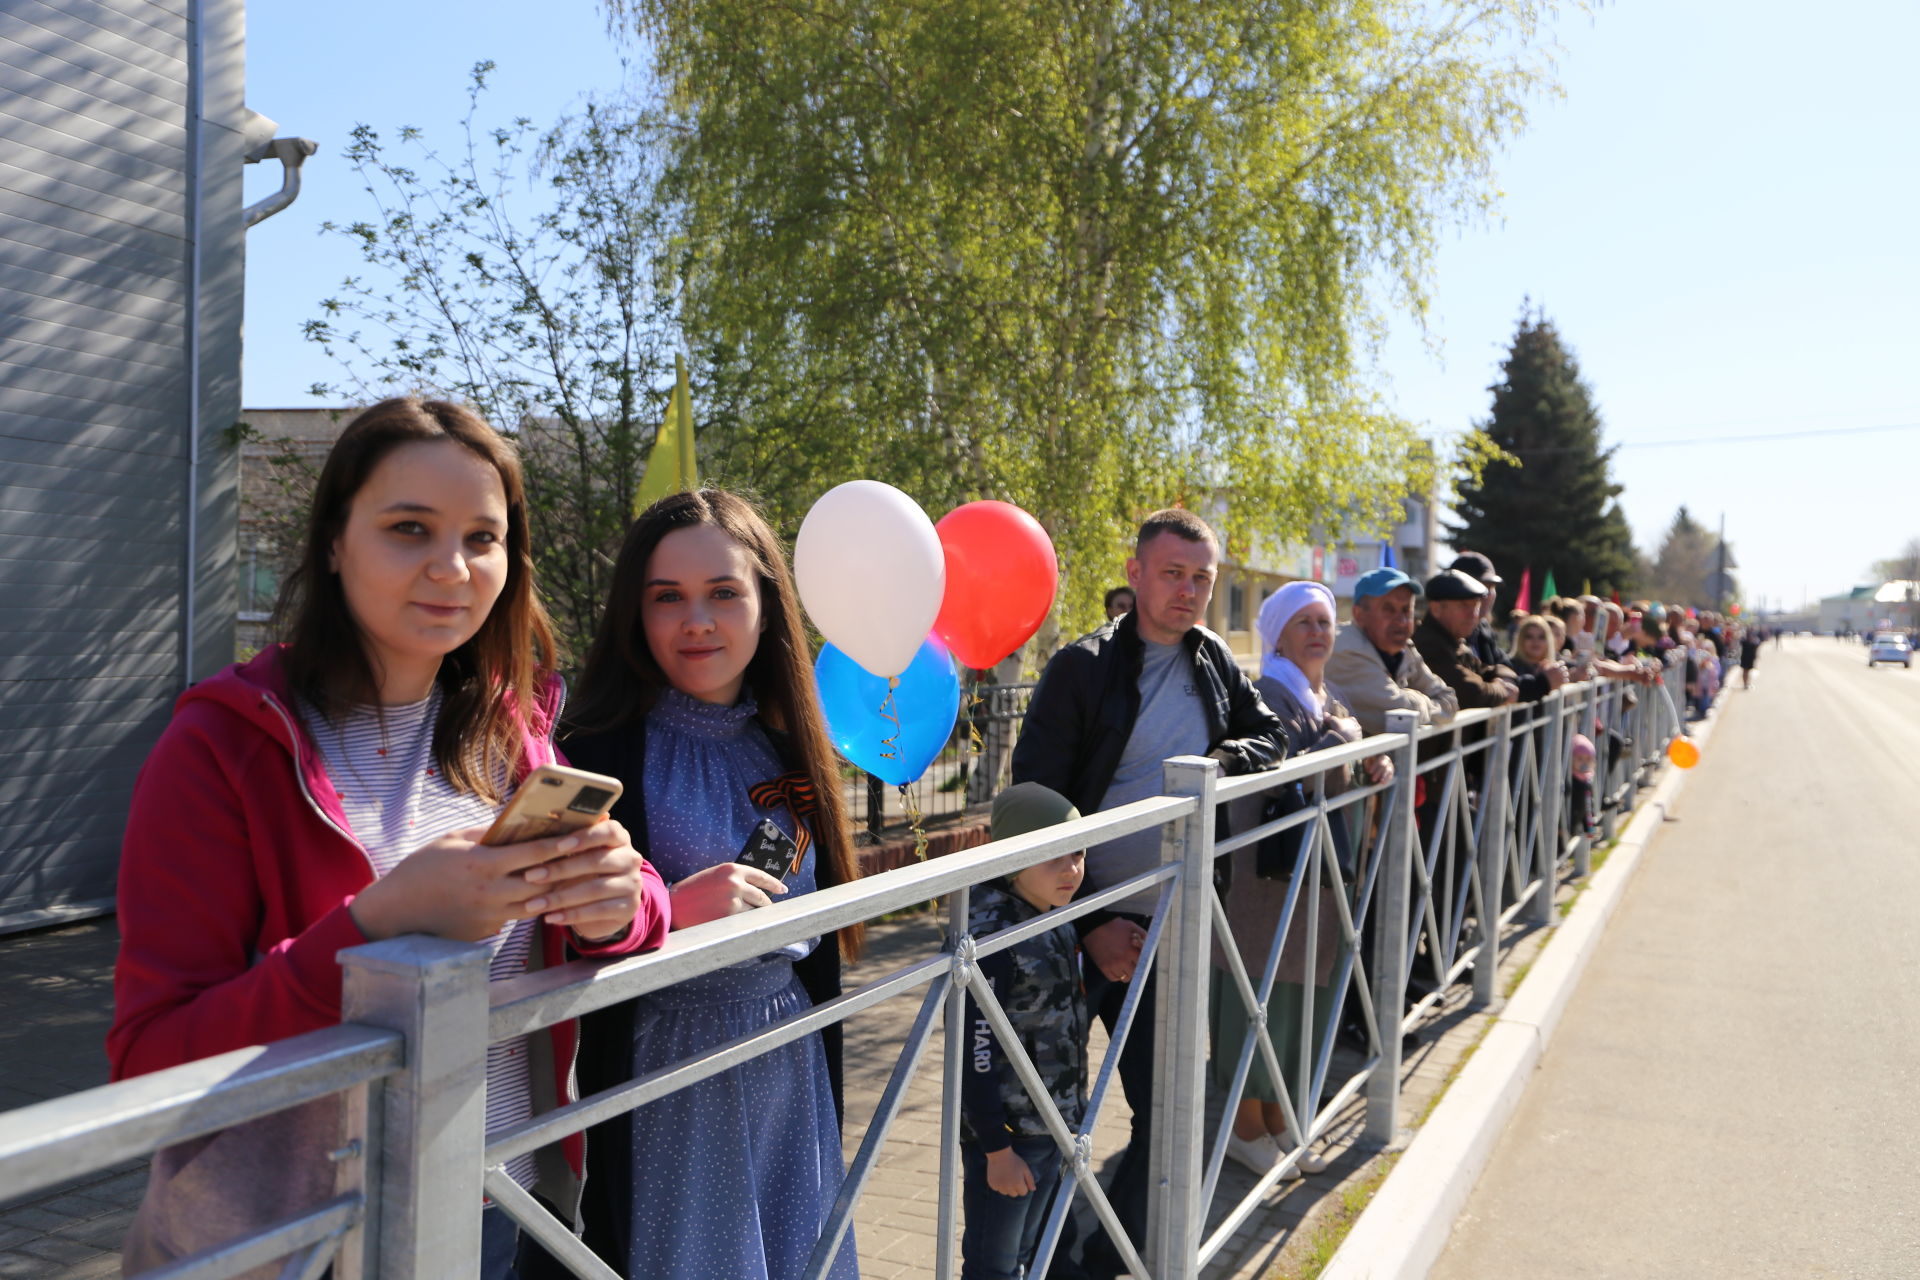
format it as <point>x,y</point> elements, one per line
<point>1377,582</point>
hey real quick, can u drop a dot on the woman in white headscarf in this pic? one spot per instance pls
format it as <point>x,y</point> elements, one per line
<point>1296,628</point>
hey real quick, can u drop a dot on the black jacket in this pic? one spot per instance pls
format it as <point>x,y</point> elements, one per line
<point>1455,662</point>
<point>1088,697</point>
<point>606,1035</point>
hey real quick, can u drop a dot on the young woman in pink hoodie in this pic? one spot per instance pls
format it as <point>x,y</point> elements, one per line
<point>332,791</point>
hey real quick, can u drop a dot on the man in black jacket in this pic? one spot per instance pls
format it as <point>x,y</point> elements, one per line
<point>1110,708</point>
<point>1485,646</point>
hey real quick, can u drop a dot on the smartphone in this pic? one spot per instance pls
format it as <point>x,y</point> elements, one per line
<point>769,849</point>
<point>552,801</point>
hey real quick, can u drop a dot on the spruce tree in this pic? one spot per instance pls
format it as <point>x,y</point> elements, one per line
<point>1552,508</point>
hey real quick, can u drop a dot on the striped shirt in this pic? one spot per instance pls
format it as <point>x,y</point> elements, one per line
<point>380,760</point>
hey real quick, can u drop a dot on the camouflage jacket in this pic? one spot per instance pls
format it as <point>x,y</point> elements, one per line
<point>1038,984</point>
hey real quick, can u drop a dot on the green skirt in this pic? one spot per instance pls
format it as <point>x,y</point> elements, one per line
<point>1229,1023</point>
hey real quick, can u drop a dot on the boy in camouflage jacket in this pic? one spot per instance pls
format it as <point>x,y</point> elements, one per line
<point>1011,1162</point>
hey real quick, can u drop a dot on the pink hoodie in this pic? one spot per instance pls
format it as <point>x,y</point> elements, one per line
<point>235,875</point>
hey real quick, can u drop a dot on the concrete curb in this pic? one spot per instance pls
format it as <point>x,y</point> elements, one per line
<point>1403,1231</point>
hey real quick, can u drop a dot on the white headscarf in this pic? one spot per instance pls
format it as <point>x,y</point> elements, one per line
<point>1275,613</point>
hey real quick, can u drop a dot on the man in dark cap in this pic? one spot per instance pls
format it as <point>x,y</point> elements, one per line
<point>1485,645</point>
<point>1453,611</point>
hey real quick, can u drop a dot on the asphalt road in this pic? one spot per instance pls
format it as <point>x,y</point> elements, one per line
<point>1735,1088</point>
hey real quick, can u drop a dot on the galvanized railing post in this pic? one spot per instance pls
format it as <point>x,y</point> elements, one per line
<point>1553,800</point>
<point>947,1215</point>
<point>1177,1219</point>
<point>1492,857</point>
<point>433,1122</point>
<point>1391,892</point>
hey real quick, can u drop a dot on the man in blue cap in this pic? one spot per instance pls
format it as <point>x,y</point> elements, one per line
<point>1374,667</point>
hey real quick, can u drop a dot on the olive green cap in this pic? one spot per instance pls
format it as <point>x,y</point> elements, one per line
<point>1028,806</point>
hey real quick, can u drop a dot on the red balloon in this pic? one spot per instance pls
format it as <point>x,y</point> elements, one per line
<point>1001,576</point>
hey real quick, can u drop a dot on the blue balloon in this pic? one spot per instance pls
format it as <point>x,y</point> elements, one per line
<point>926,705</point>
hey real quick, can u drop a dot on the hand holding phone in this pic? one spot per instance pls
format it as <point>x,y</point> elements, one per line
<point>456,886</point>
<point>769,849</point>
<point>554,800</point>
<point>723,889</point>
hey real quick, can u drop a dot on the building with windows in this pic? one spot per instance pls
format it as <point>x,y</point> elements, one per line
<point>1248,578</point>
<point>1888,606</point>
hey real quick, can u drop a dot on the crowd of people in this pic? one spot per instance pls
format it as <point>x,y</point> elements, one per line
<point>336,789</point>
<point>1152,684</point>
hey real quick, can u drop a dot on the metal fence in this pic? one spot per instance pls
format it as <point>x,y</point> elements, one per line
<point>1419,875</point>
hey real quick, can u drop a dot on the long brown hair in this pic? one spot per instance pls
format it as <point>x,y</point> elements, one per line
<point>489,682</point>
<point>621,680</point>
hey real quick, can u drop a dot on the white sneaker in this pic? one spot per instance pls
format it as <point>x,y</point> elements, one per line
<point>1311,1161</point>
<point>1258,1154</point>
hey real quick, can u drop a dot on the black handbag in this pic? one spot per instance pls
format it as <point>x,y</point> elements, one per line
<point>1274,857</point>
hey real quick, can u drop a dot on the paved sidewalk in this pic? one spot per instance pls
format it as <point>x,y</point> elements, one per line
<point>55,1008</point>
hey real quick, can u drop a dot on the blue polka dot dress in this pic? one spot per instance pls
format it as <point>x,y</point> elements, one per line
<point>733,1176</point>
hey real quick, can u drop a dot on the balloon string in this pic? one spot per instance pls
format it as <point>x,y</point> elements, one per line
<point>889,745</point>
<point>911,805</point>
<point>976,747</point>
<point>889,751</point>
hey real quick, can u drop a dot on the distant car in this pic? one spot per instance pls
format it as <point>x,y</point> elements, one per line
<point>1888,647</point>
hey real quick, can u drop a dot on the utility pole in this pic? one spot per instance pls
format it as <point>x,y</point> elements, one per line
<point>1720,579</point>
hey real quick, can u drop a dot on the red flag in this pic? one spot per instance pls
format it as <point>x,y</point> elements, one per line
<point>1616,597</point>
<point>1526,590</point>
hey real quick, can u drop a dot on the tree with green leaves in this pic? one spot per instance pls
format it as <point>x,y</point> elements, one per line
<point>1549,501</point>
<point>1090,257</point>
<point>520,272</point>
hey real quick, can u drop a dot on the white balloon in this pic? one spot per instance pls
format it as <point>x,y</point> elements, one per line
<point>871,573</point>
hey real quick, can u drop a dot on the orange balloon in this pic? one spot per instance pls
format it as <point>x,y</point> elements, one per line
<point>1683,753</point>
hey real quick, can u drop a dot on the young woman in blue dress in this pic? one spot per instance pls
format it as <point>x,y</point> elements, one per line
<point>698,694</point>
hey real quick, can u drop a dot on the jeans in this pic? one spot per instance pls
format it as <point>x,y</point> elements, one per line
<point>499,1242</point>
<point>1003,1231</point>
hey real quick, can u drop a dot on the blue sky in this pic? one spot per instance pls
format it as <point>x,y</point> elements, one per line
<point>1718,215</point>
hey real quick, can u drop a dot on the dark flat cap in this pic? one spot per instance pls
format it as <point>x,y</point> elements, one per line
<point>1451,584</point>
<point>1476,566</point>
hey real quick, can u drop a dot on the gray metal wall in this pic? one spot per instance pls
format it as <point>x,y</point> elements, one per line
<point>98,223</point>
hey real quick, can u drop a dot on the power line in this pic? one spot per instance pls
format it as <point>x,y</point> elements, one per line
<point>1808,434</point>
<point>1756,438</point>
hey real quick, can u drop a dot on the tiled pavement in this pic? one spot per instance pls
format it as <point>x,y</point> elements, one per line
<point>57,996</point>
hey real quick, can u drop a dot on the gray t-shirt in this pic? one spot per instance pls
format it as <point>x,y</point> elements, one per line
<point>1172,722</point>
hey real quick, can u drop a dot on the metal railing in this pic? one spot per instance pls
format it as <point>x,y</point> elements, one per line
<point>1416,884</point>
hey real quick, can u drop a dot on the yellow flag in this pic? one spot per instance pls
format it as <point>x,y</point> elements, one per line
<point>672,467</point>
